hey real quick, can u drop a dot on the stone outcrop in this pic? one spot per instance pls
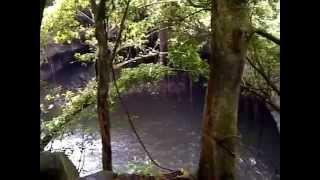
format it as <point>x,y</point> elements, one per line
<point>57,166</point>
<point>58,56</point>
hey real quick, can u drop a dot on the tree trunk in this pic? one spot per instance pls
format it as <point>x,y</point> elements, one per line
<point>163,37</point>
<point>42,6</point>
<point>103,78</point>
<point>230,22</point>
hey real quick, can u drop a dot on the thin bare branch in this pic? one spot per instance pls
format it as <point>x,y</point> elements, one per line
<point>264,76</point>
<point>113,55</point>
<point>262,97</point>
<point>119,65</point>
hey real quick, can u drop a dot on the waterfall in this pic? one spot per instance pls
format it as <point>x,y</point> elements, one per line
<point>52,71</point>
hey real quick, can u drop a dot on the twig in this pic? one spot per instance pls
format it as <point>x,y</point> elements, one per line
<point>274,106</point>
<point>113,55</point>
<point>264,76</point>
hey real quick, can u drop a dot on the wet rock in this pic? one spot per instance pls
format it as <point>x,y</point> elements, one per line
<point>57,166</point>
<point>259,130</point>
<point>59,56</point>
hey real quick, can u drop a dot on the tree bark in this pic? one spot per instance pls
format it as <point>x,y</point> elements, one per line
<point>103,78</point>
<point>42,6</point>
<point>163,37</point>
<point>230,22</point>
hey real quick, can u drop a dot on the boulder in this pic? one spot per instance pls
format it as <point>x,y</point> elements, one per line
<point>57,166</point>
<point>59,56</point>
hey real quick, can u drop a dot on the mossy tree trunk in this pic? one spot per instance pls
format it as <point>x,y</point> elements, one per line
<point>230,25</point>
<point>103,79</point>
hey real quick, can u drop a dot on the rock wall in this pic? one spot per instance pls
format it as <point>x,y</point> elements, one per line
<point>259,130</point>
<point>59,56</point>
<point>57,166</point>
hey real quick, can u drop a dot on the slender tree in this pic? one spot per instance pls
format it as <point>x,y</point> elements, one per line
<point>230,25</point>
<point>163,39</point>
<point>103,79</point>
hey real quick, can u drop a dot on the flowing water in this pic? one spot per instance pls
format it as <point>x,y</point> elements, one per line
<point>170,129</point>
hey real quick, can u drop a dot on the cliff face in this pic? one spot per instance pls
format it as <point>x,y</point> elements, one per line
<point>258,129</point>
<point>58,57</point>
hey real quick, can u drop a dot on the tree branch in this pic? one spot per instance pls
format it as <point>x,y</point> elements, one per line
<point>269,102</point>
<point>113,55</point>
<point>197,5</point>
<point>267,36</point>
<point>119,65</point>
<point>86,17</point>
<point>264,76</point>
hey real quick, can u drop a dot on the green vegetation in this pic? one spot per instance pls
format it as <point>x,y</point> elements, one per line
<point>184,56</point>
<point>77,101</point>
<point>137,167</point>
<point>191,26</point>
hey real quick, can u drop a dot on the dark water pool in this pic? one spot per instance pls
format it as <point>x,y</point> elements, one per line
<point>171,131</point>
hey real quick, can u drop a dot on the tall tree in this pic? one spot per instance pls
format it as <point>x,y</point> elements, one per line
<point>230,25</point>
<point>103,79</point>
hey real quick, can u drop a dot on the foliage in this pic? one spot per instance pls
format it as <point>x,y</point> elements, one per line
<point>59,23</point>
<point>77,101</point>
<point>88,57</point>
<point>265,15</point>
<point>137,167</point>
<point>143,74</point>
<point>139,21</point>
<point>265,56</point>
<point>189,27</point>
<point>50,99</point>
<point>184,55</point>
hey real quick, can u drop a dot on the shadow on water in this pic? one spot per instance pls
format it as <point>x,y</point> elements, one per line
<point>171,128</point>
